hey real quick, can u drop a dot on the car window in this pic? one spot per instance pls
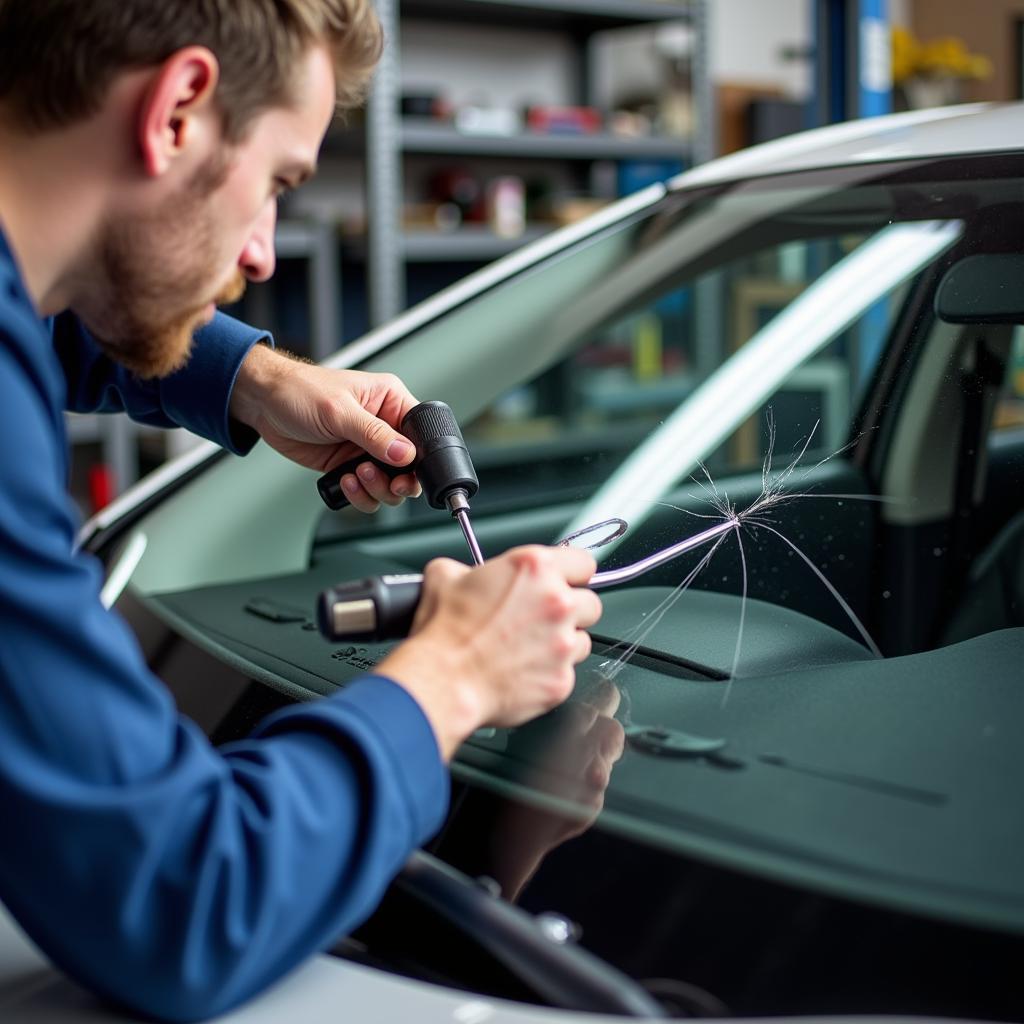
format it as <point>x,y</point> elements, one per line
<point>581,417</point>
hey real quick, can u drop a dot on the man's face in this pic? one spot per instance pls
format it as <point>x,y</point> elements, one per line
<point>161,274</point>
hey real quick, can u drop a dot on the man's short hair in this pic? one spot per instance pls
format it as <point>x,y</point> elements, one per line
<point>58,58</point>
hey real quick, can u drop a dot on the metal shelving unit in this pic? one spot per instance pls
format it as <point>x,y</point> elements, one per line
<point>316,243</point>
<point>577,15</point>
<point>389,137</point>
<point>471,244</point>
<point>465,245</point>
<point>431,138</point>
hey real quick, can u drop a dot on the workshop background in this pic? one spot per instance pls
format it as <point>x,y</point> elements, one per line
<point>493,122</point>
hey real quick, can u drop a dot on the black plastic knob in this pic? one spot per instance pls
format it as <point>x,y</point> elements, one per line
<point>443,464</point>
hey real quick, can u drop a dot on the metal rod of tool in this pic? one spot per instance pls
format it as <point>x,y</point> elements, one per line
<point>459,505</point>
<point>442,466</point>
<point>625,573</point>
<point>382,607</point>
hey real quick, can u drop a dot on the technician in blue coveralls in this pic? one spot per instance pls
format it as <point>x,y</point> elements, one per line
<point>142,150</point>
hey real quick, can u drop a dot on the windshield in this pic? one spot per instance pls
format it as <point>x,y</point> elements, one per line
<point>763,355</point>
<point>652,372</point>
<point>692,360</point>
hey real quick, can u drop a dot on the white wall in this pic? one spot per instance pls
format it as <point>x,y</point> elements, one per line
<point>745,46</point>
<point>488,66</point>
<point>747,37</point>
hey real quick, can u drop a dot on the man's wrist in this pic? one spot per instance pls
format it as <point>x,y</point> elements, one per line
<point>256,376</point>
<point>439,685</point>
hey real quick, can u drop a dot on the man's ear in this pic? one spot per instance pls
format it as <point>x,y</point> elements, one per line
<point>173,107</point>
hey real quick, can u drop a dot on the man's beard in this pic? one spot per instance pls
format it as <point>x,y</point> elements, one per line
<point>150,267</point>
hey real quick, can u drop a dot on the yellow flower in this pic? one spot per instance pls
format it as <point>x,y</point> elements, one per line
<point>943,57</point>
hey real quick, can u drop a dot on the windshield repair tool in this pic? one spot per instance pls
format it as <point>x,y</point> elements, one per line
<point>442,466</point>
<point>382,607</point>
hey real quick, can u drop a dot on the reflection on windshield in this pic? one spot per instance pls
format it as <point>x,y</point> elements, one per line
<point>757,370</point>
<point>567,758</point>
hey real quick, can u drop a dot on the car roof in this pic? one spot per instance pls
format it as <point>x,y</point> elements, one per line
<point>967,129</point>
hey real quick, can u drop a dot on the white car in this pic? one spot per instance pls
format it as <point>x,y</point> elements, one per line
<point>816,810</point>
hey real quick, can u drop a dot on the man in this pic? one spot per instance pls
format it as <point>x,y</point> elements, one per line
<point>144,146</point>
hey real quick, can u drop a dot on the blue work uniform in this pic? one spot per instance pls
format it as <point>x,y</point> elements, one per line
<point>173,877</point>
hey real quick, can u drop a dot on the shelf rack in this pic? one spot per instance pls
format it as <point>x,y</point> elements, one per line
<point>578,15</point>
<point>432,138</point>
<point>389,137</point>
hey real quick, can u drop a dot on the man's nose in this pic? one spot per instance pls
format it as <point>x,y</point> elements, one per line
<point>257,260</point>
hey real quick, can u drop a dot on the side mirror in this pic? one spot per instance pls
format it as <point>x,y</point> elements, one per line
<point>983,289</point>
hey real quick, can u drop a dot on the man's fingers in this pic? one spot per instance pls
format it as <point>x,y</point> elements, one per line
<point>380,439</point>
<point>577,565</point>
<point>357,495</point>
<point>588,607</point>
<point>438,574</point>
<point>406,486</point>
<point>377,484</point>
<point>583,647</point>
<point>598,774</point>
<point>611,739</point>
<point>604,699</point>
<point>443,571</point>
<point>397,399</point>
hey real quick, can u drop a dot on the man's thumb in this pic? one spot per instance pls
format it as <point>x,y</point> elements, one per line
<point>381,440</point>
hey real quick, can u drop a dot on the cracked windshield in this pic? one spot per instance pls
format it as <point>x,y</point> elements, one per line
<point>697,391</point>
<point>687,392</point>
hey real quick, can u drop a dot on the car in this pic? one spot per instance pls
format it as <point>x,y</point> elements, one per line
<point>817,343</point>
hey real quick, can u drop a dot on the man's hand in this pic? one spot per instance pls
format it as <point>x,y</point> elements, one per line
<point>497,644</point>
<point>321,418</point>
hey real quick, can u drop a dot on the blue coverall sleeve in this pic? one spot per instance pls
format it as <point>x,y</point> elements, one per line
<point>196,397</point>
<point>171,876</point>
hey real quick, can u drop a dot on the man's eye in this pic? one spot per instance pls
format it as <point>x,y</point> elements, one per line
<point>281,189</point>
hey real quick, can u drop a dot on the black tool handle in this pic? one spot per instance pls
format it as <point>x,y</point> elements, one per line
<point>442,464</point>
<point>329,485</point>
<point>370,610</point>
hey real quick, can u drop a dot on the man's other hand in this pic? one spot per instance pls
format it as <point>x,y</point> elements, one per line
<point>321,418</point>
<point>497,644</point>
